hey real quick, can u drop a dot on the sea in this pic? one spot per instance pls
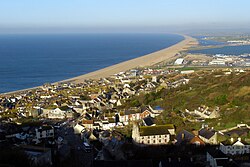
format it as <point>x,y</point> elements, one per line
<point>29,60</point>
<point>226,50</point>
<point>204,42</point>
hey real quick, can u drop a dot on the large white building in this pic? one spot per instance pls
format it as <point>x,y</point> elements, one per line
<point>218,62</point>
<point>152,135</point>
<point>179,61</point>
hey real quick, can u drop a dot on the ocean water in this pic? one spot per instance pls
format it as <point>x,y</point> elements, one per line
<point>32,60</point>
<point>227,50</point>
<point>203,42</point>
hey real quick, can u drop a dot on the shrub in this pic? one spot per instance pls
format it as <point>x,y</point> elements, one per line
<point>221,100</point>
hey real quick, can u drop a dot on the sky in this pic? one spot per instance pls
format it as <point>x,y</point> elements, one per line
<point>122,15</point>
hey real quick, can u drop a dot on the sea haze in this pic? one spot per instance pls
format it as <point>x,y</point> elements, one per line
<point>32,60</point>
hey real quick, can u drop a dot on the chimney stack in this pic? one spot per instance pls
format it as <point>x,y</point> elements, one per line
<point>195,132</point>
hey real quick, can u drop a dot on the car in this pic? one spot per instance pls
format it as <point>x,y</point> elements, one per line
<point>86,147</point>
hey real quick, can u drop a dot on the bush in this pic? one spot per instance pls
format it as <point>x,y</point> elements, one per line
<point>135,103</point>
<point>221,100</point>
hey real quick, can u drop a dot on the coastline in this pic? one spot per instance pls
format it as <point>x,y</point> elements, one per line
<point>166,54</point>
<point>143,61</point>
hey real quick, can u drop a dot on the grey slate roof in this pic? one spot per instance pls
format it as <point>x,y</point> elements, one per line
<point>184,136</point>
<point>149,121</point>
<point>206,133</point>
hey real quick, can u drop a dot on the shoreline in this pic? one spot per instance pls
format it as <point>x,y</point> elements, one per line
<point>142,61</point>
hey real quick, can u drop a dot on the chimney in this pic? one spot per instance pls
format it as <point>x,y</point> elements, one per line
<point>195,132</point>
<point>203,126</point>
<point>169,159</point>
<point>179,159</point>
<point>182,136</point>
<point>191,159</point>
<point>239,139</point>
<point>232,139</point>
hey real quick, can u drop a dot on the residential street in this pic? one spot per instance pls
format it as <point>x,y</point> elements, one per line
<point>73,147</point>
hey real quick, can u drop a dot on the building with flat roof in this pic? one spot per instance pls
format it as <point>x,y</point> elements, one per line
<point>179,61</point>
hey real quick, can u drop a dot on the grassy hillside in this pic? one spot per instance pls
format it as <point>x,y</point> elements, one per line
<point>211,88</point>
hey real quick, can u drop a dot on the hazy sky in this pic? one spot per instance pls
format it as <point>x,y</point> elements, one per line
<point>121,15</point>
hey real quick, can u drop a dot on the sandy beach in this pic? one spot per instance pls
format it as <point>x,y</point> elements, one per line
<point>166,54</point>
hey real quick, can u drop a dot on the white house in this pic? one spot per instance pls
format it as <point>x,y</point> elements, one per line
<point>56,114</point>
<point>209,136</point>
<point>148,110</point>
<point>78,129</point>
<point>205,113</point>
<point>43,132</point>
<point>235,147</point>
<point>152,135</point>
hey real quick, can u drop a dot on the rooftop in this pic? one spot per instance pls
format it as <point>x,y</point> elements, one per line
<point>87,122</point>
<point>155,130</point>
<point>232,141</point>
<point>207,133</point>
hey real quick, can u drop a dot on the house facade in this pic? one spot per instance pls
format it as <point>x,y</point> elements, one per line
<point>56,114</point>
<point>43,132</point>
<point>235,147</point>
<point>209,136</point>
<point>214,157</point>
<point>152,135</point>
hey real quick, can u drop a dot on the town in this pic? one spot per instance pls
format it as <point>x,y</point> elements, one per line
<point>217,60</point>
<point>98,121</point>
